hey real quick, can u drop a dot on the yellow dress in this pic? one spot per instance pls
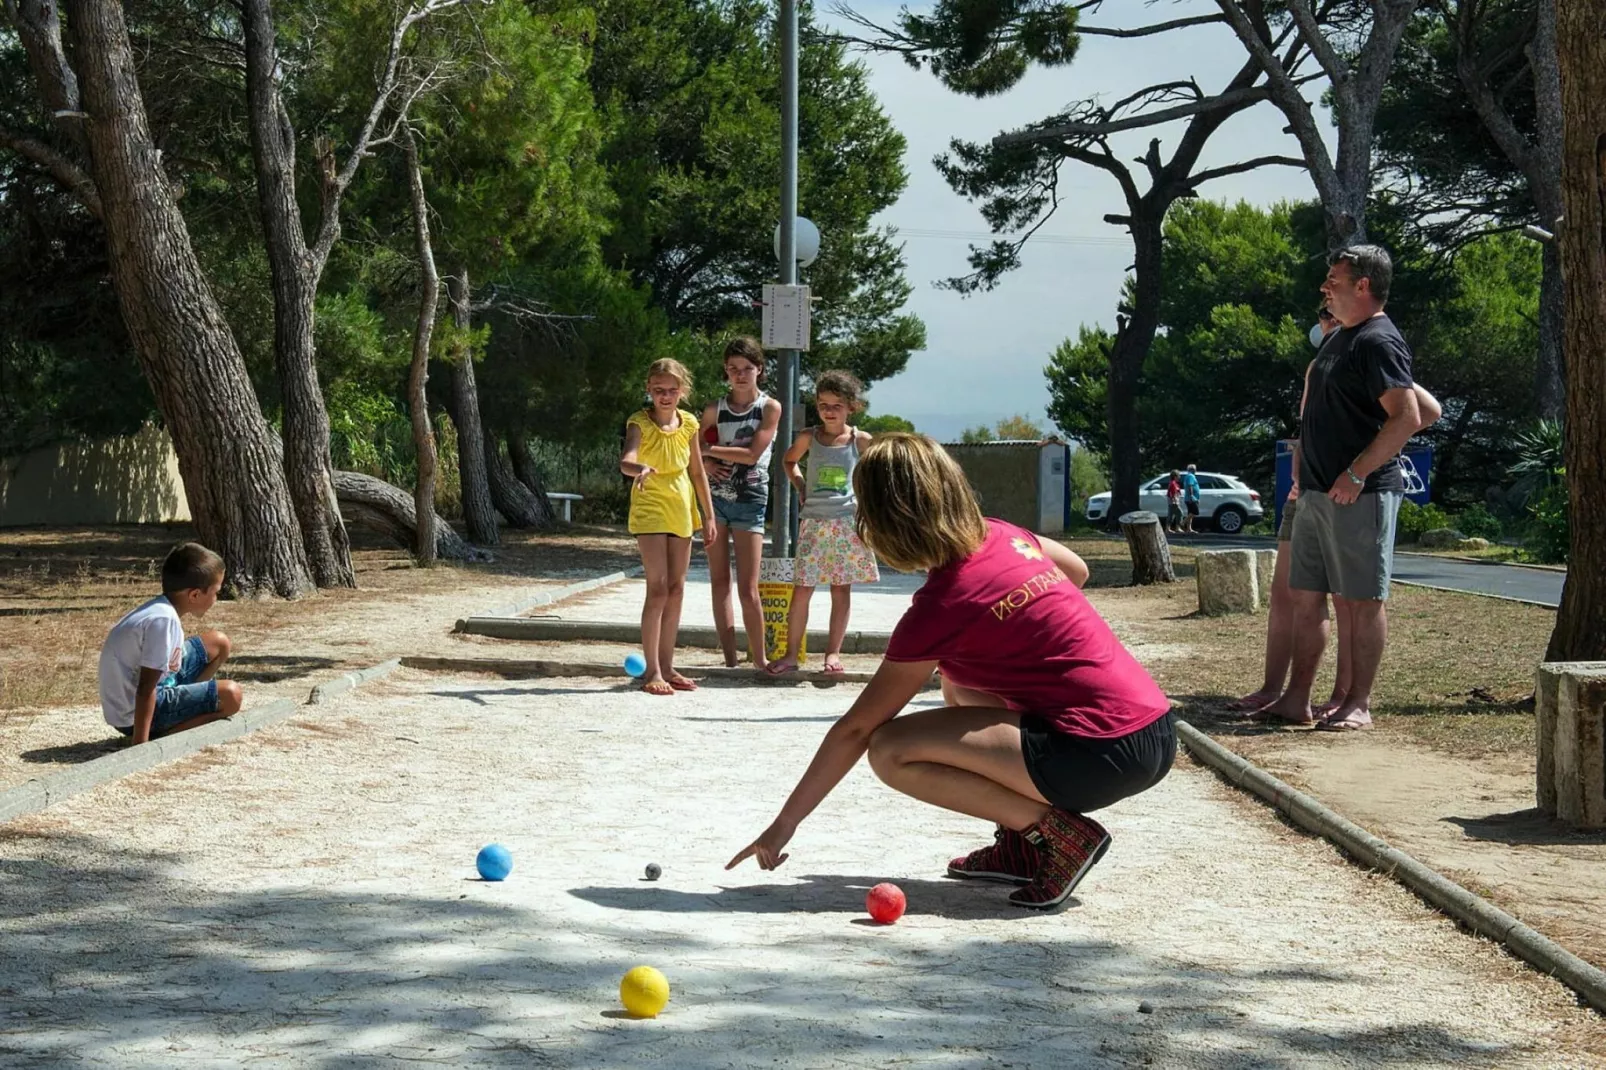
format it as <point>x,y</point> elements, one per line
<point>667,505</point>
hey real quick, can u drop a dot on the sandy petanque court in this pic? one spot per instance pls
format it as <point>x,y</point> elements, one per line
<point>306,896</point>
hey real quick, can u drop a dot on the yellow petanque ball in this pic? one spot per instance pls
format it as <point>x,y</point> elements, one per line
<point>644,991</point>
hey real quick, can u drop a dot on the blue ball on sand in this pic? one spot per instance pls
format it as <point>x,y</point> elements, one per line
<point>635,664</point>
<point>494,862</point>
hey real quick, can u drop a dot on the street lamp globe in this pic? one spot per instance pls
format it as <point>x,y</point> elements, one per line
<point>808,242</point>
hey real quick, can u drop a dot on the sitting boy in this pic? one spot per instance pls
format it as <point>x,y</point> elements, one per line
<point>153,681</point>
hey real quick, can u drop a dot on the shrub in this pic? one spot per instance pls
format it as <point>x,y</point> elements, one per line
<point>1414,519</point>
<point>1479,523</point>
<point>1548,537</point>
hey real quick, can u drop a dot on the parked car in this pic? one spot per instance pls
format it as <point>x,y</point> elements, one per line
<point>1226,501</point>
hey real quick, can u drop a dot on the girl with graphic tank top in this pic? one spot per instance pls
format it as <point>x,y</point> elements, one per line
<point>828,549</point>
<point>738,437</point>
<point>1048,716</point>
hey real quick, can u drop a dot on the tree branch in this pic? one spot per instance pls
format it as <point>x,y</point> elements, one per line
<point>1229,101</point>
<point>64,171</point>
<point>1149,31</point>
<point>1247,165</point>
<point>337,180</point>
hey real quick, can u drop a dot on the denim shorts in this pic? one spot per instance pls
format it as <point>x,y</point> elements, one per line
<point>739,515</point>
<point>178,696</point>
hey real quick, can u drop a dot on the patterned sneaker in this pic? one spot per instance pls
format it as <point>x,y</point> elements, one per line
<point>1068,844</point>
<point>1011,859</point>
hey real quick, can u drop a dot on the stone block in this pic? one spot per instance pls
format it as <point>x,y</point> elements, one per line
<point>1570,771</point>
<point>1228,582</point>
<point>1265,572</point>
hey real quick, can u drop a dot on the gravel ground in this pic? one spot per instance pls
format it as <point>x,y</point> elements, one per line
<point>306,897</point>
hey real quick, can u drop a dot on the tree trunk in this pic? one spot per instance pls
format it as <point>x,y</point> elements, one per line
<point>479,512</point>
<point>522,507</point>
<point>525,465</point>
<point>1580,633</point>
<point>307,462</point>
<point>376,505</point>
<point>231,463</point>
<point>418,375</point>
<point>1133,336</point>
<point>1544,184</point>
<point>1146,542</point>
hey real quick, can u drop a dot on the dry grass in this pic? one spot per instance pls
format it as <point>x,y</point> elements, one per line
<point>61,589</point>
<point>1458,675</point>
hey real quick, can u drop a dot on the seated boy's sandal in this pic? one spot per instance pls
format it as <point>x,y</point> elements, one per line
<point>1010,859</point>
<point>1068,845</point>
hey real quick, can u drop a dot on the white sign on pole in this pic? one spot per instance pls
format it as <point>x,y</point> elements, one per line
<point>786,317</point>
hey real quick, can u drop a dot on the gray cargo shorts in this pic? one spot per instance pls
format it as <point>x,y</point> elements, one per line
<point>1347,550</point>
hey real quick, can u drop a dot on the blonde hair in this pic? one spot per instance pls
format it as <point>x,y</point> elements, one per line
<point>916,510</point>
<point>671,368</point>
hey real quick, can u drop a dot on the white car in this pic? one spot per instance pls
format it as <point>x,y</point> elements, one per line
<point>1226,501</point>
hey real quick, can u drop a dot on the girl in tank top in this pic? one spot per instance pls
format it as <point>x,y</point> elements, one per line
<point>738,437</point>
<point>828,549</point>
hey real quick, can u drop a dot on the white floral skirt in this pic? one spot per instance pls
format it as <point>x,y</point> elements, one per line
<point>829,554</point>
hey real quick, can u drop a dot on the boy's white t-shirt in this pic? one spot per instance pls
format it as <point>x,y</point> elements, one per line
<point>151,637</point>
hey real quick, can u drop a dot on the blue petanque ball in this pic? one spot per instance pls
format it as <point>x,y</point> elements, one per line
<point>494,862</point>
<point>635,664</point>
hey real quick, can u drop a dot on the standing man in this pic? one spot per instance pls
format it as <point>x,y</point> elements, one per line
<point>1360,410</point>
<point>1190,498</point>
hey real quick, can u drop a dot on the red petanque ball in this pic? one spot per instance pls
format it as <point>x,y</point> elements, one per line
<point>886,903</point>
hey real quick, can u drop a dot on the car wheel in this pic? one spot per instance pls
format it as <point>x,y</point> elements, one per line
<point>1230,519</point>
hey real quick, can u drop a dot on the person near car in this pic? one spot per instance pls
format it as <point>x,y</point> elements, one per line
<point>1360,409</point>
<point>1190,497</point>
<point>1173,504</point>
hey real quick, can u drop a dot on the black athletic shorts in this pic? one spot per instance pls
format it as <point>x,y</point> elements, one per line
<point>1081,775</point>
<point>1193,507</point>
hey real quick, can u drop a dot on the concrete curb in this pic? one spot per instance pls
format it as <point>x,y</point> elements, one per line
<point>700,636</point>
<point>530,668</point>
<point>1473,594</point>
<point>341,684</point>
<point>547,597</point>
<point>1473,911</point>
<point>41,792</point>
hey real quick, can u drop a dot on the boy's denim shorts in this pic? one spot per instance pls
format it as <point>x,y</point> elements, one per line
<point>179,697</point>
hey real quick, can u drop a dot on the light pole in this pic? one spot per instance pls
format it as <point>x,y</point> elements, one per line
<point>787,254</point>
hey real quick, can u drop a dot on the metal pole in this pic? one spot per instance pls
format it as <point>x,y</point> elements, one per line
<point>782,537</point>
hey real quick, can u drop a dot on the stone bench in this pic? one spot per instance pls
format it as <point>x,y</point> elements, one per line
<point>1570,708</point>
<point>567,500</point>
<point>1234,581</point>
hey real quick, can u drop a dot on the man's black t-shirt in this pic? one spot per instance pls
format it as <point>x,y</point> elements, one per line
<point>1352,370</point>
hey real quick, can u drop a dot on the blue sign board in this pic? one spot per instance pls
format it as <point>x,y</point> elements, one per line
<point>1416,466</point>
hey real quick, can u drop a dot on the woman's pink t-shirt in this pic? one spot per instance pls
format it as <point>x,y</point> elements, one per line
<point>1007,620</point>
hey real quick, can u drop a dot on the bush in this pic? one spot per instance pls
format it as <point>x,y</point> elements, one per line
<point>1479,523</point>
<point>1548,537</point>
<point>1414,519</point>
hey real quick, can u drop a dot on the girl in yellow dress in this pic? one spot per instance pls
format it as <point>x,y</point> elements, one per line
<point>662,457</point>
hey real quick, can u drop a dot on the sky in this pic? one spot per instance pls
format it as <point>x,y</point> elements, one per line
<point>985,353</point>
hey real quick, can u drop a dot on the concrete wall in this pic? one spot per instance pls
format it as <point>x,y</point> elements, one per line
<point>130,480</point>
<point>1005,479</point>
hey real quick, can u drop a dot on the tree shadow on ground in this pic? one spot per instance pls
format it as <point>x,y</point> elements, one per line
<point>271,668</point>
<point>1532,826</point>
<point>40,611</point>
<point>111,956</point>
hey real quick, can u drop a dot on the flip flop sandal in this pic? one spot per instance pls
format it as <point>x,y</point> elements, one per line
<point>1343,724</point>
<point>660,688</point>
<point>680,683</point>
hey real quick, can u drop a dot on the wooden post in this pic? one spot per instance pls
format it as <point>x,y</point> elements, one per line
<point>1151,554</point>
